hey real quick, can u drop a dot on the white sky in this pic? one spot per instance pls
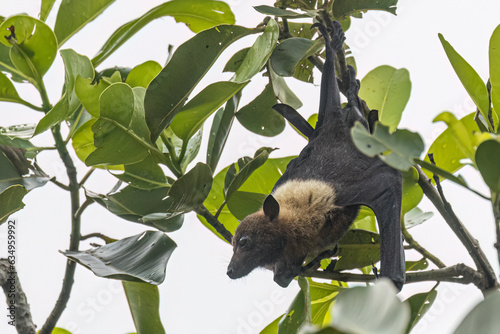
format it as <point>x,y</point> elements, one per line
<point>197,296</point>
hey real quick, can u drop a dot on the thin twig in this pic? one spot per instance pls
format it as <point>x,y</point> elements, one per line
<point>419,248</point>
<point>86,177</point>
<point>59,184</point>
<point>105,238</point>
<point>82,208</point>
<point>459,273</point>
<point>495,202</point>
<point>458,228</point>
<point>221,229</point>
<point>18,309</point>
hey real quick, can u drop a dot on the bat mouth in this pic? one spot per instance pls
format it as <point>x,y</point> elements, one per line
<point>235,273</point>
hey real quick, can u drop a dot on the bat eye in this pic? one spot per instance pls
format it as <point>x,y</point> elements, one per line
<point>244,241</point>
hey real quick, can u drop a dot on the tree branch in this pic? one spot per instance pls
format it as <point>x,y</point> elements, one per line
<point>459,273</point>
<point>495,202</point>
<point>17,304</point>
<point>221,229</point>
<point>69,275</point>
<point>416,246</point>
<point>459,229</point>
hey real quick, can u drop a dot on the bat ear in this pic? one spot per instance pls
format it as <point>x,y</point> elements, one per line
<point>271,207</point>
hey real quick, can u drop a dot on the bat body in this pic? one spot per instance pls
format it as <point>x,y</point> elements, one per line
<point>318,197</point>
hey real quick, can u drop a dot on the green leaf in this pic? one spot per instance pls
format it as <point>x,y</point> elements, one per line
<point>488,163</point>
<point>283,13</point>
<point>365,220</point>
<point>446,117</point>
<point>304,71</point>
<point>420,303</point>
<point>221,125</point>
<point>375,309</point>
<point>397,149</point>
<point>494,57</point>
<point>299,312</point>
<point>296,4</point>
<point>323,296</point>
<point>283,92</point>
<point>89,93</point>
<point>357,249</point>
<point>246,168</point>
<point>58,330</point>
<point>120,133</point>
<point>46,8</point>
<point>145,174</point>
<point>287,55</point>
<point>417,265</point>
<point>15,142</point>
<point>133,204</point>
<point>192,116</point>
<point>192,149</point>
<point>14,170</point>
<point>167,93</point>
<point>144,303</point>
<point>74,15</point>
<point>259,53</point>
<point>484,316</point>
<point>261,181</point>
<point>387,90</point>
<point>416,217</point>
<point>8,92</point>
<point>191,189</point>
<point>143,74</point>
<point>140,258</point>
<point>243,203</point>
<point>35,47</point>
<point>342,8</point>
<point>7,66</point>
<point>412,192</point>
<point>11,200</point>
<point>198,15</point>
<point>75,66</point>
<point>259,117</point>
<point>471,81</point>
<point>236,60</point>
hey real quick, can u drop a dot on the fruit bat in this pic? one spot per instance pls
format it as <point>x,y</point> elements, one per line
<point>316,200</point>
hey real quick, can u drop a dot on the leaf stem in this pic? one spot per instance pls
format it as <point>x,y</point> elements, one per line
<point>221,229</point>
<point>86,177</point>
<point>416,246</point>
<point>29,105</point>
<point>59,184</point>
<point>495,202</point>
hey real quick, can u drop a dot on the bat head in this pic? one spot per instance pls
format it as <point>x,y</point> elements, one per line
<point>258,241</point>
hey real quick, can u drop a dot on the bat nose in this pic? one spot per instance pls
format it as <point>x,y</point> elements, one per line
<point>230,271</point>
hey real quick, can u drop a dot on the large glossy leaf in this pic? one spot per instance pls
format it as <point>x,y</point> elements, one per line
<point>259,53</point>
<point>387,90</point>
<point>456,143</point>
<point>412,192</point>
<point>299,312</point>
<point>140,258</point>
<point>35,47</point>
<point>89,92</point>
<point>259,116</point>
<point>7,66</point>
<point>191,189</point>
<point>145,174</point>
<point>11,200</point>
<point>144,303</point>
<point>484,316</point>
<point>46,8</point>
<point>471,81</point>
<point>8,92</point>
<point>14,171</point>
<point>342,8</point>
<point>74,15</point>
<point>75,66</point>
<point>488,163</point>
<point>290,52</point>
<point>494,57</point>
<point>397,149</point>
<point>246,168</point>
<point>15,142</point>
<point>420,303</point>
<point>143,74</point>
<point>236,60</point>
<point>192,116</point>
<point>221,125</point>
<point>357,249</point>
<point>374,309</point>
<point>416,217</point>
<point>198,15</point>
<point>169,90</point>
<point>323,296</point>
<point>120,133</point>
<point>283,92</point>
